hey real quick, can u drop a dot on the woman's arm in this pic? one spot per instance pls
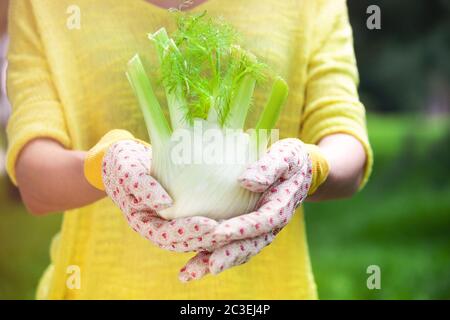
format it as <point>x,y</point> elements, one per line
<point>51,179</point>
<point>347,158</point>
<point>333,117</point>
<point>49,176</point>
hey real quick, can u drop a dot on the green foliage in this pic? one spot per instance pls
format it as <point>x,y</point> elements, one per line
<point>207,64</point>
<point>24,248</point>
<point>399,222</point>
<point>402,65</point>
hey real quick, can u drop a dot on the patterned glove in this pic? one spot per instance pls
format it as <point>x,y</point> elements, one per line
<point>125,172</point>
<point>284,174</point>
<point>127,180</point>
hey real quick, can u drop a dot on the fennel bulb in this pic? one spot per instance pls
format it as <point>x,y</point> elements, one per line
<point>209,83</point>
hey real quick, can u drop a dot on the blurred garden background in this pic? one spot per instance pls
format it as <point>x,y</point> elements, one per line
<point>399,222</point>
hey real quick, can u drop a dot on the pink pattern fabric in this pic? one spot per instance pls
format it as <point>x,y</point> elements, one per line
<point>127,180</point>
<point>283,175</point>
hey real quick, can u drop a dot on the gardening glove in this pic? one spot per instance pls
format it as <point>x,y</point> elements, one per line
<point>94,157</point>
<point>286,175</point>
<point>122,164</point>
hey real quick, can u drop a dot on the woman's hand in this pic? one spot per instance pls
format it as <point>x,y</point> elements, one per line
<point>284,175</point>
<point>127,181</point>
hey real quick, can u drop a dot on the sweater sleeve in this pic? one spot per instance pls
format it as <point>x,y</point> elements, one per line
<point>36,109</point>
<point>332,104</point>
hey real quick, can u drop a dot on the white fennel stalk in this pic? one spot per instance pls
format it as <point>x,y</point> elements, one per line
<point>198,100</point>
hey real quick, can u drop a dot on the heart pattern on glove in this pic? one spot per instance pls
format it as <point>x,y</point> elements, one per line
<point>284,175</point>
<point>127,180</point>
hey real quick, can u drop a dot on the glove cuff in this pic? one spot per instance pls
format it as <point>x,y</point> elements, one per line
<point>94,157</point>
<point>320,167</point>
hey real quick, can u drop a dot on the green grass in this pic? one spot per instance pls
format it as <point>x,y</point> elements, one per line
<point>400,222</point>
<point>24,248</point>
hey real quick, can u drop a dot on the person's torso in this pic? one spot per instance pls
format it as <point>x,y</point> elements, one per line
<point>88,44</point>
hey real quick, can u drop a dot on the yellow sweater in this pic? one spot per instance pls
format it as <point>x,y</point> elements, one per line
<point>69,84</point>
